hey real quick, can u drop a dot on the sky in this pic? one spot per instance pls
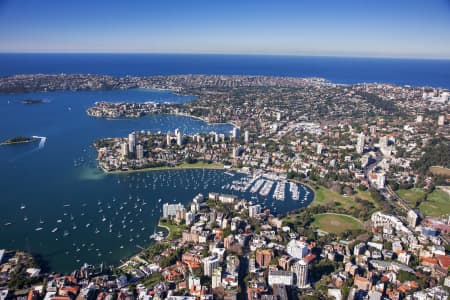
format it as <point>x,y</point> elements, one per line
<point>372,28</point>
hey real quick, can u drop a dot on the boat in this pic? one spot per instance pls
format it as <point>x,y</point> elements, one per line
<point>55,229</point>
<point>39,229</point>
<point>66,233</point>
<point>25,218</point>
<point>22,206</point>
<point>58,221</point>
<point>7,224</point>
<point>97,231</point>
<point>88,224</point>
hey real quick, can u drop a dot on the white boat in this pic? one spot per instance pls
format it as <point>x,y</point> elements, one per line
<point>55,229</point>
<point>39,229</point>
<point>22,206</point>
<point>66,233</point>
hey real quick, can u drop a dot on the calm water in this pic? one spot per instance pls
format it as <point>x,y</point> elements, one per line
<point>121,210</point>
<point>339,70</point>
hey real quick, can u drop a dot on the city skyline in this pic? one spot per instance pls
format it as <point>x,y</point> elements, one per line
<point>409,29</point>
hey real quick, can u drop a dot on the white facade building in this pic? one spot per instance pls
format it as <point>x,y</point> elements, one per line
<point>297,249</point>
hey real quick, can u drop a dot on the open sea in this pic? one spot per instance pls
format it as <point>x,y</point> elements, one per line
<point>84,215</point>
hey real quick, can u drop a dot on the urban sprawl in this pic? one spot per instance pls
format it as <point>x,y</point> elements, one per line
<point>375,155</point>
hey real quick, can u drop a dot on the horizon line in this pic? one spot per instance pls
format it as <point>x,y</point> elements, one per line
<point>236,54</point>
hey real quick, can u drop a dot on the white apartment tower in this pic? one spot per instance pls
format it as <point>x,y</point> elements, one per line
<point>360,143</point>
<point>300,269</point>
<point>139,152</point>
<point>131,142</point>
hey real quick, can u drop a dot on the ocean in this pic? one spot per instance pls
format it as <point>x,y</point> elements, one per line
<point>418,72</point>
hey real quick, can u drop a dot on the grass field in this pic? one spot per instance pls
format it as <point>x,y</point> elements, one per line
<point>437,204</point>
<point>440,171</point>
<point>335,223</point>
<point>175,231</point>
<point>325,195</point>
<point>411,195</point>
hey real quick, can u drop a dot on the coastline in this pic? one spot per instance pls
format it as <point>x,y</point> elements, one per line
<point>167,168</point>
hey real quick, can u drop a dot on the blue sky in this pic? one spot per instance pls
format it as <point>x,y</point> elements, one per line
<point>392,28</point>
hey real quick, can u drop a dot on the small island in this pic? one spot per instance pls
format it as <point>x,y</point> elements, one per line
<point>34,101</point>
<point>18,140</point>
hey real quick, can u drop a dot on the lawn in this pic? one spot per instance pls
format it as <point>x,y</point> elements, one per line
<point>437,204</point>
<point>324,195</point>
<point>335,223</point>
<point>175,231</point>
<point>411,195</point>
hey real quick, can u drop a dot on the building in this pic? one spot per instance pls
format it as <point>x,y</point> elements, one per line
<point>319,148</point>
<point>124,150</point>
<point>300,269</point>
<point>179,137</point>
<point>380,219</point>
<point>360,143</point>
<point>280,277</point>
<point>210,264</point>
<point>263,258</point>
<point>170,210</point>
<point>131,142</point>
<point>297,249</point>
<point>381,180</point>
<point>419,119</point>
<point>441,120</point>
<point>235,133</point>
<point>412,218</point>
<point>216,279</point>
<point>224,198</point>
<point>139,152</point>
<point>254,210</point>
<point>189,218</point>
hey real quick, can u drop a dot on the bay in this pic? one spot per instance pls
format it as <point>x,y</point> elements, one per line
<point>99,217</point>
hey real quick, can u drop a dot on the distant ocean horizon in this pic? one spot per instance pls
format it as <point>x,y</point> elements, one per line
<point>341,70</point>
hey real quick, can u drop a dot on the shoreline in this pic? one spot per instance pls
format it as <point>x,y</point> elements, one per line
<point>176,168</point>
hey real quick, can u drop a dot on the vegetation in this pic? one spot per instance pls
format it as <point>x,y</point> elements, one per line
<point>18,140</point>
<point>436,204</point>
<point>436,153</point>
<point>335,223</point>
<point>412,195</point>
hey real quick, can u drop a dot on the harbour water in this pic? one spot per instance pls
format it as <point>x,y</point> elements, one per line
<point>56,203</point>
